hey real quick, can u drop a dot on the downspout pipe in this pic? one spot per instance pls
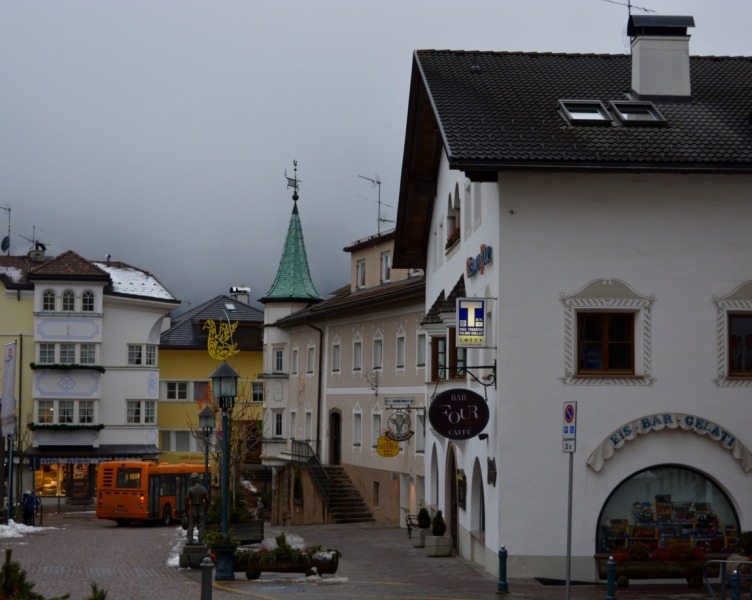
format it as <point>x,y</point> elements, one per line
<point>318,400</point>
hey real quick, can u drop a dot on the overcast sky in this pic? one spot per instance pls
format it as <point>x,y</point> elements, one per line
<point>159,132</point>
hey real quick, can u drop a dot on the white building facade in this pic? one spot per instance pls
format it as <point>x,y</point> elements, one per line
<point>619,280</point>
<point>96,371</point>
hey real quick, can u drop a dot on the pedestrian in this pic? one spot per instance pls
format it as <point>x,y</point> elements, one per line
<point>27,507</point>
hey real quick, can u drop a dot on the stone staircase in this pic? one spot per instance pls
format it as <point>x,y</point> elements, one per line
<point>346,505</point>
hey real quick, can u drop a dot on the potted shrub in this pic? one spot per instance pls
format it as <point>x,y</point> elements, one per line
<point>438,544</point>
<point>423,529</point>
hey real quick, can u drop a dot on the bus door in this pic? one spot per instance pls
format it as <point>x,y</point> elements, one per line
<point>153,497</point>
<point>181,487</point>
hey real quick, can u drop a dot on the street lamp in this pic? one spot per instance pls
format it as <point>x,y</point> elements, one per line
<point>206,419</point>
<point>225,389</point>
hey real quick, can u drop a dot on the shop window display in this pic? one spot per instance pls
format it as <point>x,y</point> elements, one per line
<point>667,504</point>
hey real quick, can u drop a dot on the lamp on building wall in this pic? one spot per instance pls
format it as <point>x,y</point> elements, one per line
<point>225,389</point>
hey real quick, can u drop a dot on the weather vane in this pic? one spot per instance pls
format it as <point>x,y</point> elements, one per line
<point>294,182</point>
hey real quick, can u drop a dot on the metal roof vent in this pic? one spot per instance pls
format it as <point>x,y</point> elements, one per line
<point>660,57</point>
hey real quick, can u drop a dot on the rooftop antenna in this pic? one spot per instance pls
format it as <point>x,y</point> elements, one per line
<point>630,6</point>
<point>35,244</point>
<point>376,181</point>
<point>294,183</point>
<point>5,244</point>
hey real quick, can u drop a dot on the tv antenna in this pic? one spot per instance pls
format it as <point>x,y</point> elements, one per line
<point>35,244</point>
<point>294,182</point>
<point>376,181</point>
<point>630,6</point>
<point>5,244</point>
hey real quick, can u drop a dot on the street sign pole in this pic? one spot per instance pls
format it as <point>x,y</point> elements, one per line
<point>569,446</point>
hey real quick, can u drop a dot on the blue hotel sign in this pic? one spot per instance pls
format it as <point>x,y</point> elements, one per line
<point>471,322</point>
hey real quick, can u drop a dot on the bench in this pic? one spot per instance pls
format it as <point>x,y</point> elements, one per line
<point>412,522</point>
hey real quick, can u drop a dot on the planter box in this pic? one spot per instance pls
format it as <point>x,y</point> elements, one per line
<point>438,545</point>
<point>651,569</point>
<point>322,566</point>
<point>419,537</point>
<point>249,532</point>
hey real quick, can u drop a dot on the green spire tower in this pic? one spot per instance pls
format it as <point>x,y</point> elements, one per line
<point>293,281</point>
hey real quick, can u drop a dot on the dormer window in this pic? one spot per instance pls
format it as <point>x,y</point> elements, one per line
<point>638,114</point>
<point>48,300</point>
<point>361,273</point>
<point>584,112</point>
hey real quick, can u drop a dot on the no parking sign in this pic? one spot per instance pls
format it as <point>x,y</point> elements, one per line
<point>569,427</point>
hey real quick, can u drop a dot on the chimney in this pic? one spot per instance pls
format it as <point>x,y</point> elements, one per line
<point>241,294</point>
<point>660,57</point>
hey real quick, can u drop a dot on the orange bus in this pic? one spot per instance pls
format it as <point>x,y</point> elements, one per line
<point>142,491</point>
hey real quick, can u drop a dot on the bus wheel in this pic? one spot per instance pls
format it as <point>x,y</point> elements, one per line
<point>166,515</point>
<point>121,522</point>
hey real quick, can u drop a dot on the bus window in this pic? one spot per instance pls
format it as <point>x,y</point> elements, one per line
<point>167,485</point>
<point>128,478</point>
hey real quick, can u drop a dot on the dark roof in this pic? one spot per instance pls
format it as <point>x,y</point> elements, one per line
<point>183,332</point>
<point>507,114</point>
<point>658,25</point>
<point>344,300</point>
<point>445,304</point>
<point>69,265</point>
<point>14,271</point>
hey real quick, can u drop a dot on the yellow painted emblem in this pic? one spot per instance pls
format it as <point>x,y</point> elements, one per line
<point>220,344</point>
<point>386,447</point>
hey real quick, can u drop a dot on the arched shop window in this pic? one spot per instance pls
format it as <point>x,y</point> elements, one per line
<point>664,504</point>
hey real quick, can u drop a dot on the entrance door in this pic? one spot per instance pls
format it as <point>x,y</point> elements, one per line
<point>453,515</point>
<point>335,437</point>
<point>153,507</point>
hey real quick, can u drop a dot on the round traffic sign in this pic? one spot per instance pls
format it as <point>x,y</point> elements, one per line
<point>569,413</point>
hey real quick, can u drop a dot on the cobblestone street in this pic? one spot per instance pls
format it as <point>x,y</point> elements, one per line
<point>131,564</point>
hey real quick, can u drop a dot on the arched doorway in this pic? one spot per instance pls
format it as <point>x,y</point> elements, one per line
<point>478,502</point>
<point>434,477</point>
<point>335,438</point>
<point>452,508</point>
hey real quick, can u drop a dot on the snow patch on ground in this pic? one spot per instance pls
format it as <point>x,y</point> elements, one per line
<point>173,560</point>
<point>17,530</point>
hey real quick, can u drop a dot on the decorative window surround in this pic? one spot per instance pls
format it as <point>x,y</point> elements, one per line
<point>609,294</point>
<point>739,300</point>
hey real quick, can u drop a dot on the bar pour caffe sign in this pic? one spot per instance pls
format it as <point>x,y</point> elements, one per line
<point>458,414</point>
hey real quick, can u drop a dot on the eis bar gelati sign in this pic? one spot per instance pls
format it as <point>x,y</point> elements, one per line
<point>471,322</point>
<point>458,414</point>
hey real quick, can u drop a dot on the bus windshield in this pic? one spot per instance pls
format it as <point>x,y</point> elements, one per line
<point>128,478</point>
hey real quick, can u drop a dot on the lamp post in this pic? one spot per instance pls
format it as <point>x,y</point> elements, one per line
<point>225,389</point>
<point>206,420</point>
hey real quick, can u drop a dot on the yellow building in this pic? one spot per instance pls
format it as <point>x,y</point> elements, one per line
<point>185,387</point>
<point>17,324</point>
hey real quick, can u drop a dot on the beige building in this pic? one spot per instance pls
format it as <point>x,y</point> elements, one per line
<point>332,367</point>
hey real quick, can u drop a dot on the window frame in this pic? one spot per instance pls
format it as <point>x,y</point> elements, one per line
<point>399,352</point>
<point>46,354</point>
<point>386,267</point>
<point>730,345</point>
<point>69,406</point>
<point>605,371</point>
<point>360,274</point>
<point>67,348</point>
<point>278,358</point>
<point>90,350</point>
<point>336,357</point>
<point>358,355</point>
<point>378,365</point>
<point>49,405</point>
<point>257,394</point>
<point>278,425</point>
<point>376,432</point>
<point>87,301</point>
<point>658,120</point>
<point>150,355</point>
<point>176,392</point>
<point>293,423</point>
<point>48,295</point>
<point>294,361</point>
<point>421,347</point>
<point>566,110</point>
<point>310,360</point>
<point>85,405</point>
<point>357,429</point>
<point>133,360</point>
<point>68,301</point>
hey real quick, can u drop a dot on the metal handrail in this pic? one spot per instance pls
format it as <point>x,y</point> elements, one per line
<point>735,575</point>
<point>303,454</point>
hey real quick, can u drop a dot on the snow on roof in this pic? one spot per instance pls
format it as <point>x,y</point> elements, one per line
<point>133,281</point>
<point>13,273</point>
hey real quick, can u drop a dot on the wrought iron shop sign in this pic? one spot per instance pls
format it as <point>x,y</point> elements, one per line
<point>471,322</point>
<point>399,427</point>
<point>458,414</point>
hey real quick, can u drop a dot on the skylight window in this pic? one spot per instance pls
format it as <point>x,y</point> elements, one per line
<point>229,306</point>
<point>584,112</point>
<point>638,114</point>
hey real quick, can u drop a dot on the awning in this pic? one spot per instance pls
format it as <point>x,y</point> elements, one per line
<point>84,455</point>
